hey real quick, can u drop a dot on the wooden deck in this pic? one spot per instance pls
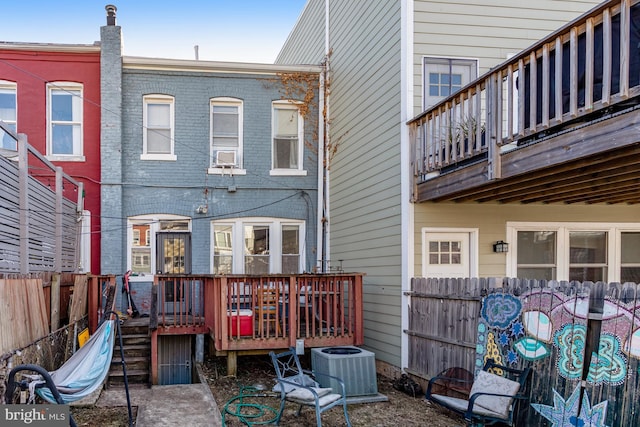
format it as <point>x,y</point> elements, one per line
<point>313,310</point>
<point>543,126</point>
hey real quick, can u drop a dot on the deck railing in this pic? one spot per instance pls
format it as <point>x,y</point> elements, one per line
<point>586,67</point>
<point>320,309</point>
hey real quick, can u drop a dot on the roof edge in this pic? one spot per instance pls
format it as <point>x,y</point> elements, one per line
<point>51,47</point>
<point>139,62</point>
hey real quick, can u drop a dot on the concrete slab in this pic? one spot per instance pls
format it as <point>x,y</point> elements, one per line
<point>166,405</point>
<point>371,398</point>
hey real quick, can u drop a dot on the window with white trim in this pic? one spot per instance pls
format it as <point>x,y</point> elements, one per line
<point>287,147</point>
<point>290,249</point>
<point>575,251</point>
<point>445,76</point>
<point>165,249</point>
<point>8,113</point>
<point>158,134</point>
<point>64,121</point>
<point>257,246</point>
<point>226,133</point>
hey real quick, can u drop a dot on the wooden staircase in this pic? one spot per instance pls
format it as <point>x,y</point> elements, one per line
<point>137,354</point>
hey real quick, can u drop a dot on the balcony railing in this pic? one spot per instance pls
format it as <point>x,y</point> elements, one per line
<point>587,68</point>
<point>321,310</point>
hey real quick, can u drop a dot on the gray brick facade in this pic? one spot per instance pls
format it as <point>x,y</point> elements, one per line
<point>132,186</point>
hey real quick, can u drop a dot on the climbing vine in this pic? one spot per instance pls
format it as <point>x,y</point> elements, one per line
<point>301,89</point>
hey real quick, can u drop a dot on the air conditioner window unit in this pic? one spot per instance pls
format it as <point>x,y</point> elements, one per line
<point>355,366</point>
<point>225,158</point>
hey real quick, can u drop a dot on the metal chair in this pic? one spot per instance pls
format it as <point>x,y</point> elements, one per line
<point>299,386</point>
<point>494,397</point>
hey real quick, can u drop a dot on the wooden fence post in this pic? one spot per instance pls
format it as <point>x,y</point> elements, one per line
<point>55,301</point>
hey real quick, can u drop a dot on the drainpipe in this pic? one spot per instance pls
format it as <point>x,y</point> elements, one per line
<point>320,225</point>
<point>326,251</point>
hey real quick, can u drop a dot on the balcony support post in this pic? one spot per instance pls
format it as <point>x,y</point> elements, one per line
<point>493,158</point>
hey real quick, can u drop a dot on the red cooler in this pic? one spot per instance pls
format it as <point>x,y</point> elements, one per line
<point>246,322</point>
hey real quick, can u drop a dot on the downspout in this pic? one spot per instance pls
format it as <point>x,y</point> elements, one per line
<point>406,207</point>
<point>320,233</point>
<point>326,251</point>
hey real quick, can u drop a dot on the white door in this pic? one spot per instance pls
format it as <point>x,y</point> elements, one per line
<point>446,255</point>
<point>443,77</point>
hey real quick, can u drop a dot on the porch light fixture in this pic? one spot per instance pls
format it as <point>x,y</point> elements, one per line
<point>500,247</point>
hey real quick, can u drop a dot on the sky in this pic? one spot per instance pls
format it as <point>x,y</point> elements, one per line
<point>223,30</point>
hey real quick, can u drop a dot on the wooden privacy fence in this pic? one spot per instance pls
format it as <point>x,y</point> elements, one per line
<point>39,210</point>
<point>582,341</point>
<point>33,305</point>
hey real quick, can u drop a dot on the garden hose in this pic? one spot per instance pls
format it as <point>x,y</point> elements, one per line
<point>250,413</point>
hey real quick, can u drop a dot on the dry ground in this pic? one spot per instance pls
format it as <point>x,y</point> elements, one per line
<point>400,409</point>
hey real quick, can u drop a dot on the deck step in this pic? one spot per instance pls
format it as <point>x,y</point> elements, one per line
<point>136,346</point>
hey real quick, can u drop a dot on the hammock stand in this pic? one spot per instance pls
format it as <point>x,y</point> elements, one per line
<point>74,384</point>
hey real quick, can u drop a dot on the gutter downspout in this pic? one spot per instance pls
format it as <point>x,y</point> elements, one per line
<point>324,120</point>
<point>406,207</point>
<point>320,223</point>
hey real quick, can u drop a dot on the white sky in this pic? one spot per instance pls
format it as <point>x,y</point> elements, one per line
<point>224,30</point>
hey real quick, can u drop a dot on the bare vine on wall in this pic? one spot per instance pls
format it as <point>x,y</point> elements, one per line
<point>301,89</point>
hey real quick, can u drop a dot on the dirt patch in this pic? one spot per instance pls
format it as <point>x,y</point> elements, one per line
<point>257,371</point>
<point>95,416</point>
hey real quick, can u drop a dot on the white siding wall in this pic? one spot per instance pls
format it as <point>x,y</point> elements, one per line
<point>486,30</point>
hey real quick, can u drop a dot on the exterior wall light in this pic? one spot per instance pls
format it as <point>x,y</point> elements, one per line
<point>500,246</point>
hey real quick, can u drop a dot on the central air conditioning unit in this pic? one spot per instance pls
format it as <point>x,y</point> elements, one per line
<point>225,158</point>
<point>353,365</point>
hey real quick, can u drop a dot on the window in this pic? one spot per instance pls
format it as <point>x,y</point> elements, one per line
<point>158,118</point>
<point>445,252</point>
<point>222,249</point>
<point>226,133</point>
<point>444,84</point>
<point>166,248</point>
<point>256,249</point>
<point>64,121</point>
<point>576,251</point>
<point>630,262</point>
<point>8,113</point>
<point>588,255</point>
<point>444,76</point>
<point>257,246</point>
<point>537,254</point>
<point>287,146</point>
<point>290,249</point>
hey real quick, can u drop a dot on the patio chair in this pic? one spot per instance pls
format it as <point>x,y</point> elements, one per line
<point>299,386</point>
<point>494,396</point>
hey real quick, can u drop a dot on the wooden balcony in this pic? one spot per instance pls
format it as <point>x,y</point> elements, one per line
<point>555,123</point>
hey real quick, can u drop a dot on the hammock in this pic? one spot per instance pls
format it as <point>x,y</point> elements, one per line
<point>86,370</point>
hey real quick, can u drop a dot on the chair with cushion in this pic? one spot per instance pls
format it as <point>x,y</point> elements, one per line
<point>299,386</point>
<point>494,396</point>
